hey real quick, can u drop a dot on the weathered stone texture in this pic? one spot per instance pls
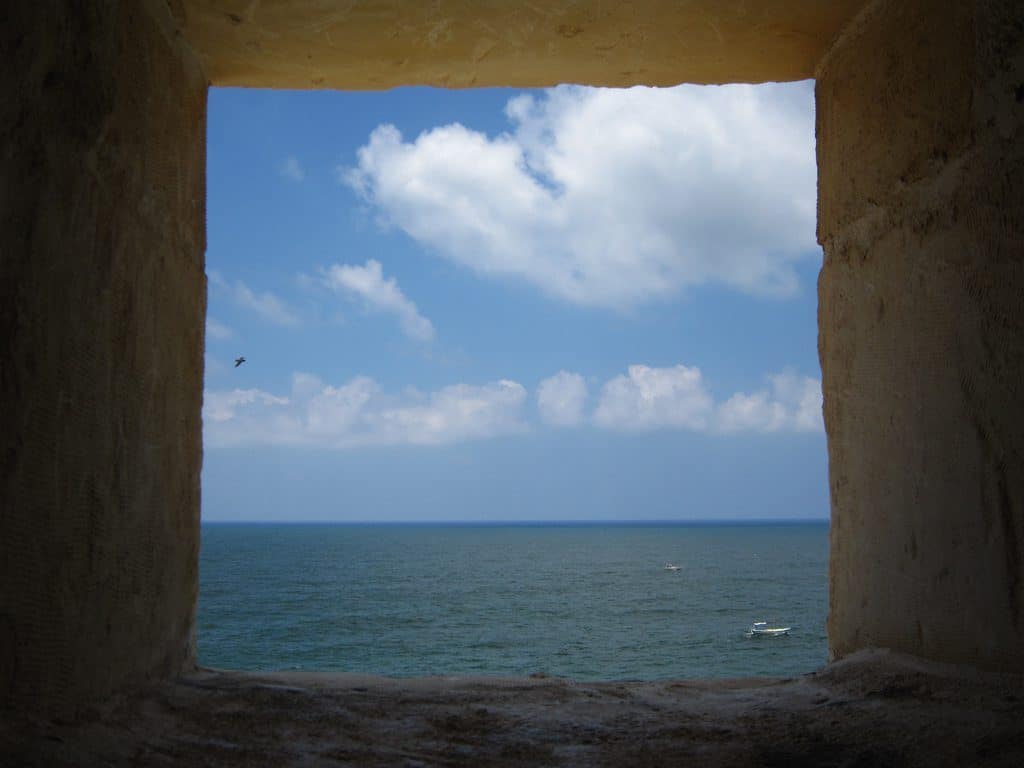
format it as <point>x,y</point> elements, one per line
<point>375,44</point>
<point>873,710</point>
<point>102,299</point>
<point>921,214</point>
<point>102,125</point>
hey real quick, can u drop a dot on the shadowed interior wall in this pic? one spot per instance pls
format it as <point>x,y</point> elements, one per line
<point>921,315</point>
<point>102,300</point>
<point>102,290</point>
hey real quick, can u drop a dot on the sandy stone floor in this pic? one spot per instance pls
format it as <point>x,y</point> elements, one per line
<point>874,709</point>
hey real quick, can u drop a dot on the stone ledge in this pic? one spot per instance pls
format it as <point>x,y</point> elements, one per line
<point>873,708</point>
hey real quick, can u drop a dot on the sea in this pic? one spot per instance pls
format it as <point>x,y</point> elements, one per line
<point>587,601</point>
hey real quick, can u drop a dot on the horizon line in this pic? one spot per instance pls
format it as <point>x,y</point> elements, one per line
<point>598,521</point>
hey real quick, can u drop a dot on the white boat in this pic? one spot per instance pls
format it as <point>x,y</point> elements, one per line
<point>670,567</point>
<point>761,628</point>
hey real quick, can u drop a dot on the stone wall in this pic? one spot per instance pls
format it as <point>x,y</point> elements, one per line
<point>921,315</point>
<point>102,301</point>
<point>102,292</point>
<point>376,44</point>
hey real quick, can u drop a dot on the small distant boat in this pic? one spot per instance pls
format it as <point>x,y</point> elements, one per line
<point>671,567</point>
<point>761,628</point>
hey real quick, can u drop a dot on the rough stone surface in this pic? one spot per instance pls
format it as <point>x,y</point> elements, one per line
<point>374,44</point>
<point>874,710</point>
<point>921,161</point>
<point>102,297</point>
<point>921,215</point>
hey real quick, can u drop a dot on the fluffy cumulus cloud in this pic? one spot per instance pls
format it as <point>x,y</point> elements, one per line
<point>266,305</point>
<point>655,398</point>
<point>561,398</point>
<point>379,295</point>
<point>613,198</point>
<point>793,403</point>
<point>677,398</point>
<point>358,413</point>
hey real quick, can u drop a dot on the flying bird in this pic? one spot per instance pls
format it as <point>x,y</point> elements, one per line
<point>239,361</point>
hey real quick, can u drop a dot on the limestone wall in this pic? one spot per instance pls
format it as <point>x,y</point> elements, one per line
<point>378,44</point>
<point>102,299</point>
<point>921,214</point>
<point>102,124</point>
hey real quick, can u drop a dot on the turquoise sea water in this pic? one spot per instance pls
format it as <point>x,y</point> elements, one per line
<point>582,601</point>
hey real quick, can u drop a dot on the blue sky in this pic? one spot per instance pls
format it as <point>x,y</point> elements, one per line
<point>568,304</point>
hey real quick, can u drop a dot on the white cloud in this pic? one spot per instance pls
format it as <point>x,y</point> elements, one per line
<point>217,330</point>
<point>676,398</point>
<point>367,282</point>
<point>655,398</point>
<point>291,169</point>
<point>613,197</point>
<point>793,404</point>
<point>756,412</point>
<point>266,304</point>
<point>358,413</point>
<point>224,406</point>
<point>457,412</point>
<point>561,398</point>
